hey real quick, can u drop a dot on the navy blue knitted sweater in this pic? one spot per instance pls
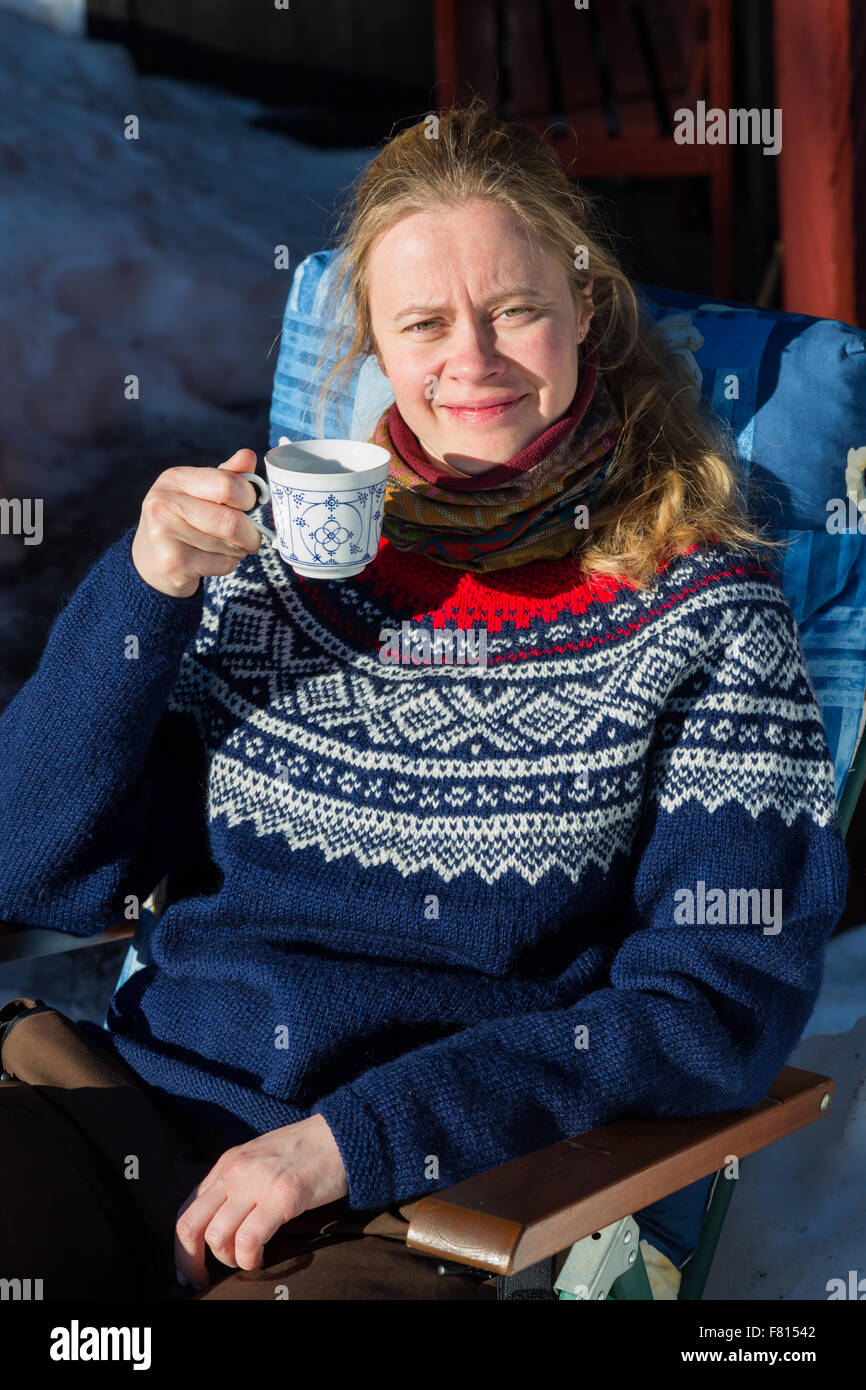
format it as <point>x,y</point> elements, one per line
<point>461,910</point>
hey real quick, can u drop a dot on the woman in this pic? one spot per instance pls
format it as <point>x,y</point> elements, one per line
<point>423,918</point>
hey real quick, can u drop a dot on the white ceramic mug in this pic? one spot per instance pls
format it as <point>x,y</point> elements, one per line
<point>328,498</point>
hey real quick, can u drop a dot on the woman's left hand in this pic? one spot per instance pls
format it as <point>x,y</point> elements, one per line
<point>254,1189</point>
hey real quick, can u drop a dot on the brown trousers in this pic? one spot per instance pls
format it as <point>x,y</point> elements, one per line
<point>93,1170</point>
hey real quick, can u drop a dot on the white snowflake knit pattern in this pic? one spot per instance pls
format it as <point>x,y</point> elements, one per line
<point>694,693</point>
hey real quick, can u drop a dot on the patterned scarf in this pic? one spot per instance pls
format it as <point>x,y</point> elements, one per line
<point>516,512</point>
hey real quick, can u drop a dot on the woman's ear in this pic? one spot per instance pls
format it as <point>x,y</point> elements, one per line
<point>587,309</point>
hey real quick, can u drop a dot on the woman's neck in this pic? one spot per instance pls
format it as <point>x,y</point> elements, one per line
<point>447,467</point>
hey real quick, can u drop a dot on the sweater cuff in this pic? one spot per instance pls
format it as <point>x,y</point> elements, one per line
<point>363,1149</point>
<point>148,601</point>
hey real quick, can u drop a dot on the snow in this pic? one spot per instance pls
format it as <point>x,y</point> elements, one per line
<point>798,1217</point>
<point>152,256</point>
<point>156,257</point>
<point>67,16</point>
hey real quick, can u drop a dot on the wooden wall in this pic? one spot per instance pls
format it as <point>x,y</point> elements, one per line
<point>816,195</point>
<point>858,127</point>
<point>360,36</point>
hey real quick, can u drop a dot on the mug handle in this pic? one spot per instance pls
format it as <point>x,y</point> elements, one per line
<point>265,496</point>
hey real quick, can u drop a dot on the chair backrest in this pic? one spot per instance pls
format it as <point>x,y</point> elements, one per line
<point>792,389</point>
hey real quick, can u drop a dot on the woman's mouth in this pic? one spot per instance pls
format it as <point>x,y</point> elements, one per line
<point>482,414</point>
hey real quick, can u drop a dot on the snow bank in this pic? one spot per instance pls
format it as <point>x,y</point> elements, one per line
<point>798,1217</point>
<point>151,257</point>
<point>67,16</point>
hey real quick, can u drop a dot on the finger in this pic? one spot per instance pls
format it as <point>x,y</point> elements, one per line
<point>221,1229</point>
<point>229,537</point>
<point>253,1234</point>
<point>226,523</point>
<point>194,1217</point>
<point>207,563</point>
<point>205,524</point>
<point>244,460</point>
<point>221,485</point>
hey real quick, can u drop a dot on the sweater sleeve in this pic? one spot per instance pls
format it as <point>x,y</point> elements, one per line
<point>710,982</point>
<point>94,770</point>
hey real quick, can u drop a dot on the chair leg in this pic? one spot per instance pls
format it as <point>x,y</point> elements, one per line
<point>697,1267</point>
<point>634,1283</point>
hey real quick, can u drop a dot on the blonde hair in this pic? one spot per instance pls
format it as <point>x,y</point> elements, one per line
<point>675,479</point>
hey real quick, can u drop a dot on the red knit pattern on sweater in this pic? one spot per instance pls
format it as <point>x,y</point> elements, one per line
<point>516,597</point>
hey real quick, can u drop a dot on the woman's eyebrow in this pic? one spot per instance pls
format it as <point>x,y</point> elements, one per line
<point>512,292</point>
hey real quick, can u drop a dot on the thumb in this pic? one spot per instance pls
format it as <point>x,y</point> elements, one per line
<point>242,461</point>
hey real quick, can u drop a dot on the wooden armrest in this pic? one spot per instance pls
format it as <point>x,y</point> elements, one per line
<point>20,942</point>
<point>524,1211</point>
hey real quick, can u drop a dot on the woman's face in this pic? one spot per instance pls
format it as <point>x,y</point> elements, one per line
<point>477,331</point>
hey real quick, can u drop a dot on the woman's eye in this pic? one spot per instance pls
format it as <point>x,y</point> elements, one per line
<point>425,324</point>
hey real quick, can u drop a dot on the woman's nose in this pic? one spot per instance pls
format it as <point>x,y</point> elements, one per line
<point>472,350</point>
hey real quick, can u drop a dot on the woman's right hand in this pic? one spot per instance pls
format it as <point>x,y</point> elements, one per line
<point>193,524</point>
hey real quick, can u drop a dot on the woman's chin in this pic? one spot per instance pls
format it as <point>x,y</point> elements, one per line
<point>473,461</point>
<point>465,448</point>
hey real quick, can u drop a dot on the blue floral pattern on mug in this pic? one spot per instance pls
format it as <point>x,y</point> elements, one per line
<point>315,526</point>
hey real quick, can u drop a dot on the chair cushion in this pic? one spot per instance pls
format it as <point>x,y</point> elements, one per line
<point>792,389</point>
